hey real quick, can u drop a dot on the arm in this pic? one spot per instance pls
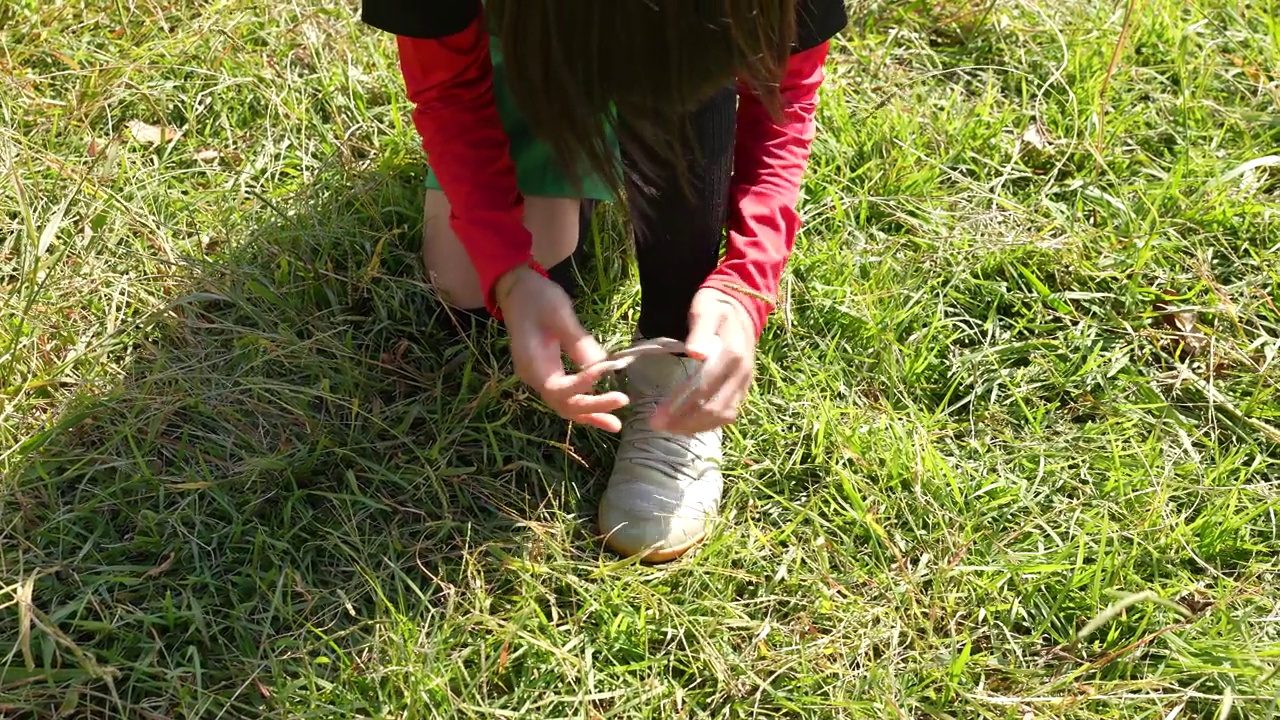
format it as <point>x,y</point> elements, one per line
<point>769,163</point>
<point>450,82</point>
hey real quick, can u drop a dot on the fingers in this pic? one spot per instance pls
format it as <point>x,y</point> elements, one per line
<point>578,344</point>
<point>561,383</point>
<point>592,410</point>
<point>604,421</point>
<point>720,409</point>
<point>541,324</point>
<point>571,396</point>
<point>711,403</point>
<point>537,361</point>
<point>569,406</point>
<point>581,406</point>
<point>716,376</point>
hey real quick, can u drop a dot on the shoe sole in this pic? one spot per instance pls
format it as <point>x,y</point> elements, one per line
<point>657,557</point>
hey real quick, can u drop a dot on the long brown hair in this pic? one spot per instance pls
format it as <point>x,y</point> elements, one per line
<point>576,66</point>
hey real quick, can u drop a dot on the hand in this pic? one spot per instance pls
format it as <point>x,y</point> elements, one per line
<point>541,323</point>
<point>722,336</point>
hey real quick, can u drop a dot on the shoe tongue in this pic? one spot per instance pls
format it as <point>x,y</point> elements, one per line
<point>659,374</point>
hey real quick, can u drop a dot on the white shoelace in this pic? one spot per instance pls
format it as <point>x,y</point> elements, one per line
<point>672,455</point>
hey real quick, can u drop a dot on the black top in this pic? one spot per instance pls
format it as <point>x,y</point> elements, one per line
<point>817,21</point>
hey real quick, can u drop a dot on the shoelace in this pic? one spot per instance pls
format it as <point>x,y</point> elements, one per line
<point>666,453</point>
<point>620,360</point>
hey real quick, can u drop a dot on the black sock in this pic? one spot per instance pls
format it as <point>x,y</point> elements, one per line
<point>461,322</point>
<point>586,220</point>
<point>465,321</point>
<point>678,239</point>
<point>564,273</point>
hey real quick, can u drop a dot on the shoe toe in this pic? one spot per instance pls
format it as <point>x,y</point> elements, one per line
<point>636,520</point>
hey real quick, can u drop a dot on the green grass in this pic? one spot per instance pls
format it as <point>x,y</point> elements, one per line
<point>981,475</point>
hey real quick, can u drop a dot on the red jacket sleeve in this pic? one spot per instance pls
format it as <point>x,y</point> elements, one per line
<point>450,82</point>
<point>769,163</point>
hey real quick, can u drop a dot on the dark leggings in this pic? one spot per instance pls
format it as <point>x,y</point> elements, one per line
<point>677,240</point>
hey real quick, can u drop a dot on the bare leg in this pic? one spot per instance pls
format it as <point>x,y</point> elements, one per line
<point>553,222</point>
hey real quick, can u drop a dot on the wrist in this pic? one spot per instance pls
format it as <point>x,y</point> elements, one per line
<point>754,306</point>
<point>506,283</point>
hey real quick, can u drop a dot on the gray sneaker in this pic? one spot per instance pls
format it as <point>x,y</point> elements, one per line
<point>665,489</point>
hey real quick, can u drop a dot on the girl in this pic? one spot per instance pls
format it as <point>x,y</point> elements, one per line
<point>700,114</point>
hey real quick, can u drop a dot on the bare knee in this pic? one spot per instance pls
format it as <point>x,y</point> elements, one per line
<point>445,261</point>
<point>553,222</point>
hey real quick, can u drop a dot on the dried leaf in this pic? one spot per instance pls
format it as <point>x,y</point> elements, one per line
<point>207,155</point>
<point>1195,603</point>
<point>25,590</point>
<point>160,569</point>
<point>1193,342</point>
<point>1183,321</point>
<point>66,60</point>
<point>1034,136</point>
<point>1250,70</point>
<point>1190,340</point>
<point>151,134</point>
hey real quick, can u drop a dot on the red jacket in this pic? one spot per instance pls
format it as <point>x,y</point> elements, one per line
<point>450,82</point>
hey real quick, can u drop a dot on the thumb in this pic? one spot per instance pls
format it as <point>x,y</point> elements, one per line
<point>578,344</point>
<point>705,317</point>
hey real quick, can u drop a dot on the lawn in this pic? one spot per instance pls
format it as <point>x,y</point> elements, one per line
<point>1013,450</point>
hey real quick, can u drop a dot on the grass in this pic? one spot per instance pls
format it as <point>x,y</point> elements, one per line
<point>1013,451</point>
